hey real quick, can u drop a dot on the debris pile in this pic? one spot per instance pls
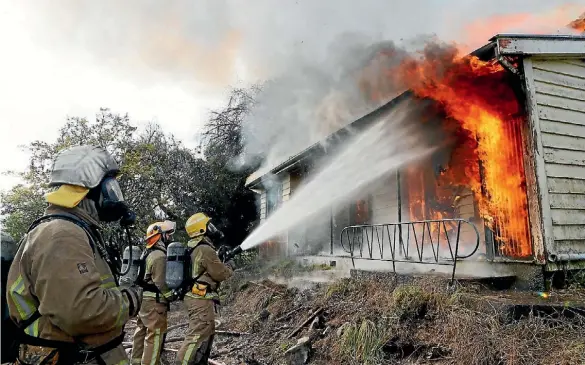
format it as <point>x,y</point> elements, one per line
<point>391,319</point>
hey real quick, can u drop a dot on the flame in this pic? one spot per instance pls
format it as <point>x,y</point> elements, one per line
<point>552,21</point>
<point>485,120</point>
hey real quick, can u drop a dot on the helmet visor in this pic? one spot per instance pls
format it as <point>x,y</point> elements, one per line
<point>112,191</point>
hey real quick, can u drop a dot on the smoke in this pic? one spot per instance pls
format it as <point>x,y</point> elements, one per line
<point>391,142</point>
<point>310,56</point>
<point>317,94</point>
<point>307,48</point>
<point>310,101</point>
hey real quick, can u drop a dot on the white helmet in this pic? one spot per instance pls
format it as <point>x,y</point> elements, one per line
<point>88,171</point>
<point>84,166</point>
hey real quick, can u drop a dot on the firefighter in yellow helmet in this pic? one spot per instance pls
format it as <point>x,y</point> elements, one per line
<point>63,297</point>
<point>207,273</point>
<point>151,324</point>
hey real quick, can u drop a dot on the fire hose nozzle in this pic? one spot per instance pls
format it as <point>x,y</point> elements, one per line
<point>228,255</point>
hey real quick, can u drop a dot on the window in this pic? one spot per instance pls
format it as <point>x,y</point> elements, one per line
<point>273,198</point>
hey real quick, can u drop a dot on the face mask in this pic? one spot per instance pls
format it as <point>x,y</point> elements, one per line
<point>213,233</point>
<point>111,205</point>
<point>167,238</point>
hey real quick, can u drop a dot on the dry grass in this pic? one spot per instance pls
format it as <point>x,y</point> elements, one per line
<point>362,344</point>
<point>466,327</point>
<point>410,302</point>
<point>483,337</point>
<point>392,321</point>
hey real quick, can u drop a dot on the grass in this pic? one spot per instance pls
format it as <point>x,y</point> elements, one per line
<point>410,302</point>
<point>363,343</point>
<point>341,287</point>
<point>403,321</point>
<point>466,326</point>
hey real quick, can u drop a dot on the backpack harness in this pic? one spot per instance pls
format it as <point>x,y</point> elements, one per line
<point>187,284</point>
<point>150,287</point>
<point>69,352</point>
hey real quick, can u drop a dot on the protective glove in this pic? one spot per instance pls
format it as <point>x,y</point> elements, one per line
<point>231,264</point>
<point>221,252</point>
<point>134,294</point>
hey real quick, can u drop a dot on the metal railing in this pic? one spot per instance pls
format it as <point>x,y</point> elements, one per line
<point>408,242</point>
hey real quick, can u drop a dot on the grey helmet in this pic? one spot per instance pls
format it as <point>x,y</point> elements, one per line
<point>82,166</point>
<point>95,169</point>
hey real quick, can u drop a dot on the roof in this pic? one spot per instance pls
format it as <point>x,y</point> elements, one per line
<point>544,45</point>
<point>499,45</point>
<point>362,122</point>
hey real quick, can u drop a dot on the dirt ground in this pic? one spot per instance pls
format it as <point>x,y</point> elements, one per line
<point>390,320</point>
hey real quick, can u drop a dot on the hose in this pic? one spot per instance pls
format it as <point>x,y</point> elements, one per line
<point>129,238</point>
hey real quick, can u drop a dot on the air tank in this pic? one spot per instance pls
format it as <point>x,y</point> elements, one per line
<point>8,247</point>
<point>132,275</point>
<point>175,265</point>
<point>8,251</point>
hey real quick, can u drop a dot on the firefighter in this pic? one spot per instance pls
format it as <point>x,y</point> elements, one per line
<point>151,324</point>
<point>207,273</point>
<point>63,298</point>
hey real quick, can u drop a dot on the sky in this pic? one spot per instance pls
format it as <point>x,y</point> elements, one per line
<point>173,61</point>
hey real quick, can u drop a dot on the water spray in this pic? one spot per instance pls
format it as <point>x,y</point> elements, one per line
<point>389,143</point>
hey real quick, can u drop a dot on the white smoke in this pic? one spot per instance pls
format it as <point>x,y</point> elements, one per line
<point>308,50</point>
<point>391,142</point>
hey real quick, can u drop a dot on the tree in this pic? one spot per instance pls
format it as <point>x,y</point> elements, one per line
<point>151,163</point>
<point>225,195</point>
<point>161,178</point>
<point>223,132</point>
<point>21,206</point>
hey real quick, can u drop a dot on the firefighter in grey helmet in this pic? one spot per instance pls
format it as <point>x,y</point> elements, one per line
<point>62,293</point>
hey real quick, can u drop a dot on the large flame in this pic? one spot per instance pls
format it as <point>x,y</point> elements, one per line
<point>485,119</point>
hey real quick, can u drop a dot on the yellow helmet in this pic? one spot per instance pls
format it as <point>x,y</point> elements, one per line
<point>155,231</point>
<point>197,225</point>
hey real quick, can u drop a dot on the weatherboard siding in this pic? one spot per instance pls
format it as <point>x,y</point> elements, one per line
<point>559,94</point>
<point>263,206</point>
<point>385,201</point>
<point>286,190</point>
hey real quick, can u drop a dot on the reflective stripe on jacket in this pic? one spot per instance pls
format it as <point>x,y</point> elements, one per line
<point>56,271</point>
<point>205,259</point>
<point>155,273</point>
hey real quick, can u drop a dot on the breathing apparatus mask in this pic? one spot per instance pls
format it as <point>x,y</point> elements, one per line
<point>110,203</point>
<point>168,237</point>
<point>213,233</point>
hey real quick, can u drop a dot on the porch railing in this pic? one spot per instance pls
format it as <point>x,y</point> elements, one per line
<point>422,242</point>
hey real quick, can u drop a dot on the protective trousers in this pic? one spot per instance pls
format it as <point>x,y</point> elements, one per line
<point>36,355</point>
<point>151,326</point>
<point>196,347</point>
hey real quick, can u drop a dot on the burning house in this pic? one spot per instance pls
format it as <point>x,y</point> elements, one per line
<point>508,188</point>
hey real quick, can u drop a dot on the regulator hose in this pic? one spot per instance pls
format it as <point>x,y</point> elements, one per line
<point>129,238</point>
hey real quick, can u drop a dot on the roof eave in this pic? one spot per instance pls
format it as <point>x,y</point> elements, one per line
<point>500,44</point>
<point>254,179</point>
<point>544,45</point>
